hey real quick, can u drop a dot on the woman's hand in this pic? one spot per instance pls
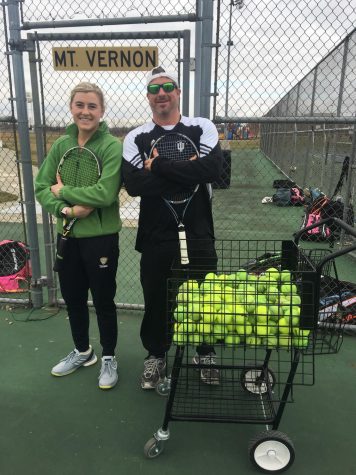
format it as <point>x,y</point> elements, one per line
<point>57,187</point>
<point>80,211</point>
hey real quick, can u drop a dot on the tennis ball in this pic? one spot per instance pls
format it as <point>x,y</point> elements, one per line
<point>300,341</point>
<point>285,299</point>
<point>196,339</point>
<point>186,326</point>
<point>290,310</point>
<point>182,298</point>
<point>189,285</point>
<point>285,276</point>
<point>261,310</point>
<point>245,329</point>
<point>232,339</point>
<point>289,289</point>
<point>296,300</point>
<point>253,340</point>
<point>272,328</point>
<point>209,339</point>
<point>270,341</point>
<point>239,319</point>
<point>211,276</point>
<point>207,313</point>
<point>261,330</point>
<point>180,313</point>
<point>231,280</point>
<point>206,287</point>
<point>241,275</point>
<point>262,283</point>
<point>284,341</point>
<point>229,294</point>
<point>295,321</point>
<point>203,327</point>
<point>180,339</point>
<point>219,331</point>
<point>272,294</point>
<point>301,332</point>
<point>252,319</point>
<point>261,299</point>
<point>274,312</point>
<point>272,273</point>
<point>252,277</point>
<point>193,310</point>
<point>239,309</point>
<point>249,303</point>
<point>283,326</point>
<point>224,318</point>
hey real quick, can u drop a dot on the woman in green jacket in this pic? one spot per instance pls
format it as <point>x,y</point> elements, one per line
<point>92,250</point>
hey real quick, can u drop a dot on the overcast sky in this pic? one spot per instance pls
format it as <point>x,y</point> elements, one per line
<point>275,44</point>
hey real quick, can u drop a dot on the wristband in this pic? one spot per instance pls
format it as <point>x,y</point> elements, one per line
<point>64,212</point>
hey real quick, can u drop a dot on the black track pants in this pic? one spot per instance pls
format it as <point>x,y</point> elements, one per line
<point>156,268</point>
<point>91,264</point>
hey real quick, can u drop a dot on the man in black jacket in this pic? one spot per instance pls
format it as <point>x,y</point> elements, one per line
<point>150,177</point>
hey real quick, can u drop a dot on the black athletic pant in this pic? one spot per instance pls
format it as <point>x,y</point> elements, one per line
<point>91,264</point>
<point>156,268</point>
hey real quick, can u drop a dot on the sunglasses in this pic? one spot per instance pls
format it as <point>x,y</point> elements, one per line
<point>167,87</point>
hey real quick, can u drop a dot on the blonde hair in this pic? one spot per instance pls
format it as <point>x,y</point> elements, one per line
<point>88,87</point>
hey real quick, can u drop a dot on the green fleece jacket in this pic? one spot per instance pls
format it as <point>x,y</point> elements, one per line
<point>103,196</point>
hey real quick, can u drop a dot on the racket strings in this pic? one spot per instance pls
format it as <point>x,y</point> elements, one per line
<point>175,147</point>
<point>80,168</point>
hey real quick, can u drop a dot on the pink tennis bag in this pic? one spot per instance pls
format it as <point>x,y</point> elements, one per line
<point>15,266</point>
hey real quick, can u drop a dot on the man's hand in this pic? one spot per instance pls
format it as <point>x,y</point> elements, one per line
<point>148,162</point>
<point>57,187</point>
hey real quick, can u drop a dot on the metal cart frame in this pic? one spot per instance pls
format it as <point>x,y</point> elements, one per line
<point>251,392</point>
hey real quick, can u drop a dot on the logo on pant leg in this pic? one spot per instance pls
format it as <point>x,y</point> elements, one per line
<point>103,262</point>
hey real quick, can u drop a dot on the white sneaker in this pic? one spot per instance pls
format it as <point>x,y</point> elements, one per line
<point>108,376</point>
<point>73,361</point>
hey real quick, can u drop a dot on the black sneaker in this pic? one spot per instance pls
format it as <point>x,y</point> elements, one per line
<point>153,373</point>
<point>208,375</point>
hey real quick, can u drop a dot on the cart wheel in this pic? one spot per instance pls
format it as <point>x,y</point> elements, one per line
<point>153,448</point>
<point>164,387</point>
<point>271,451</point>
<point>253,381</point>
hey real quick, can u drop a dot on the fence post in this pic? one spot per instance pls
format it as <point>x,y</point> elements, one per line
<point>25,154</point>
<point>40,147</point>
<point>197,65</point>
<point>206,53</point>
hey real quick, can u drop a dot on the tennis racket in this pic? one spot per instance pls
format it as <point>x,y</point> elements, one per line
<point>78,167</point>
<point>176,146</point>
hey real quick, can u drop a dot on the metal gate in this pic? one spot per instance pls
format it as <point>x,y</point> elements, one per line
<point>275,76</point>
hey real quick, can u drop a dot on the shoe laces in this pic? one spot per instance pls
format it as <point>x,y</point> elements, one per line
<point>73,354</point>
<point>151,367</point>
<point>107,367</point>
<point>208,359</point>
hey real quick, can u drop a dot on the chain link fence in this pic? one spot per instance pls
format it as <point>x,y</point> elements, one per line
<point>270,59</point>
<point>277,61</point>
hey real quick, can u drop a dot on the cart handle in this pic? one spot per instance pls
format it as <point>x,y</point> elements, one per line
<point>329,257</point>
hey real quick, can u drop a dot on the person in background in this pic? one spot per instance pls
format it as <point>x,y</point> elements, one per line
<point>157,236</point>
<point>92,251</point>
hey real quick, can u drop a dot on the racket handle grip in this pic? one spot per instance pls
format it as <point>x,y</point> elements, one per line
<point>183,245</point>
<point>60,253</point>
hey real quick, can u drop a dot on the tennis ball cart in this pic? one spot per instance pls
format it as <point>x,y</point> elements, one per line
<point>245,332</point>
